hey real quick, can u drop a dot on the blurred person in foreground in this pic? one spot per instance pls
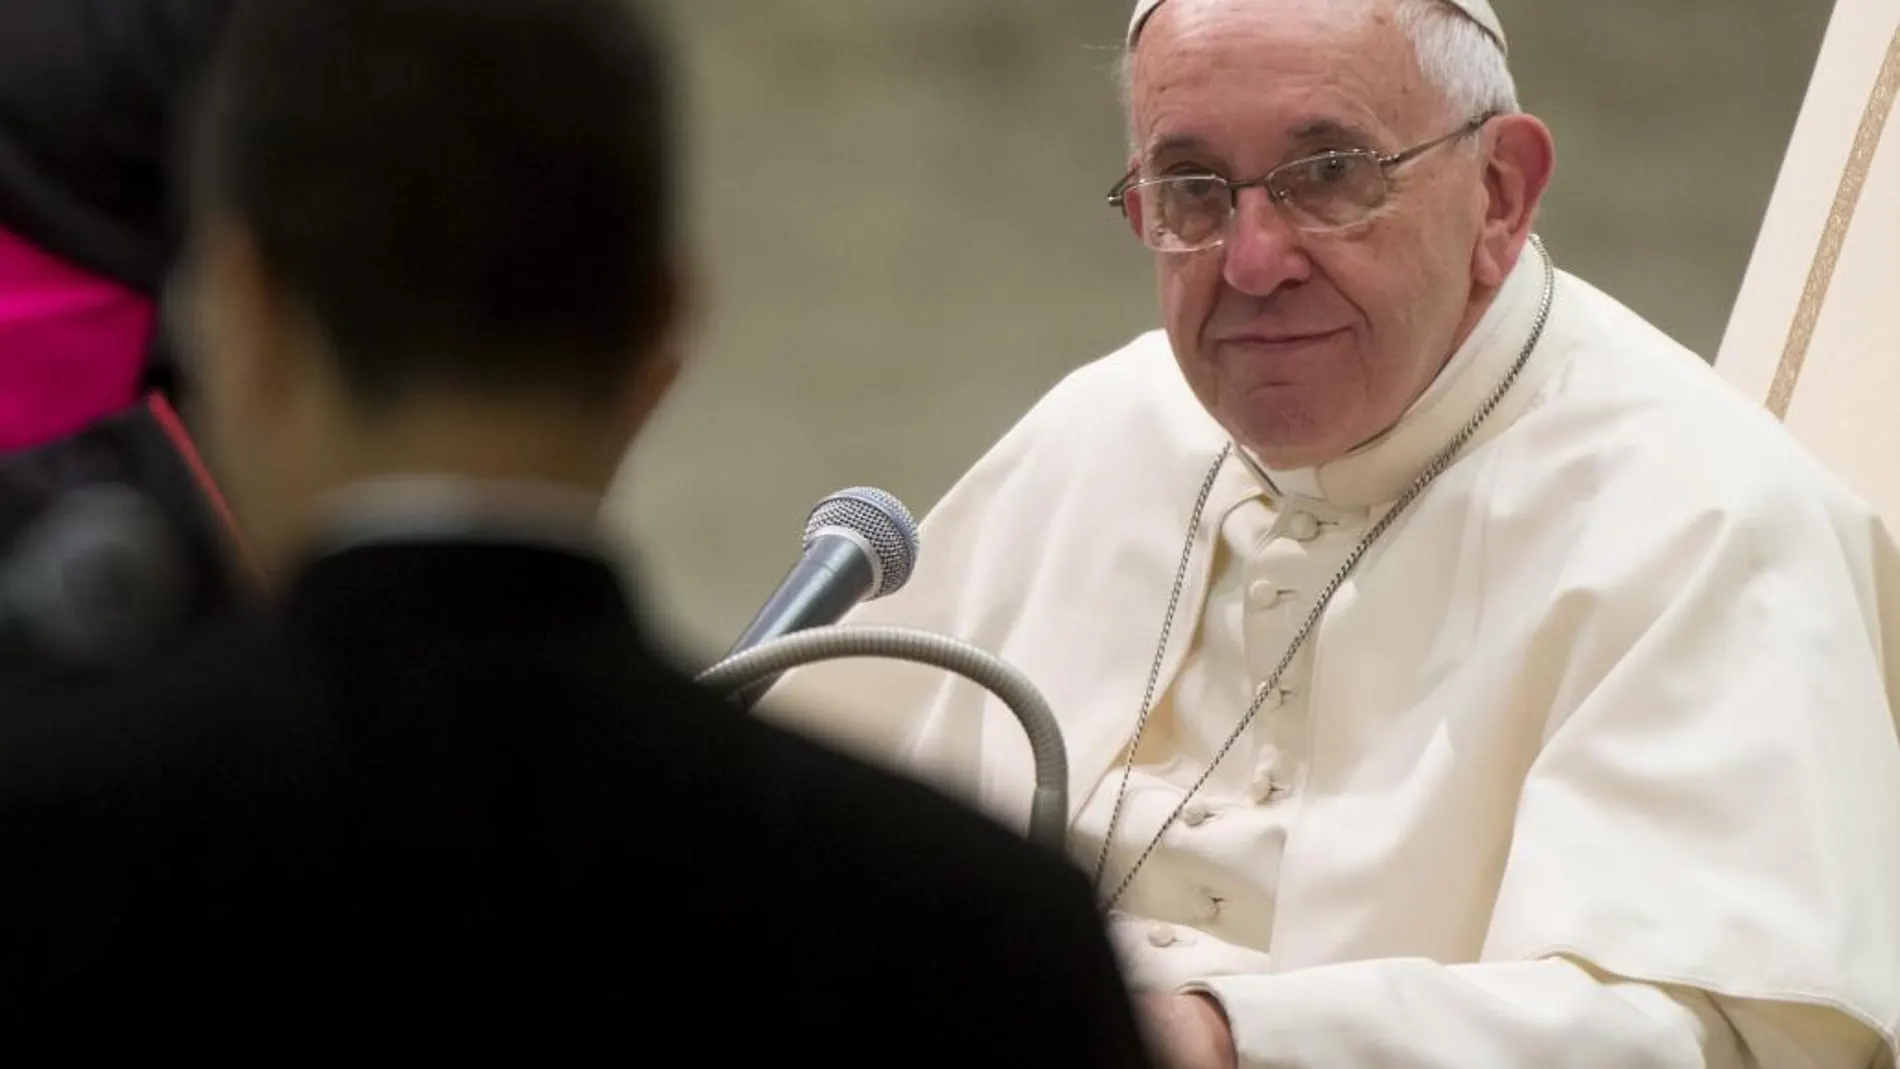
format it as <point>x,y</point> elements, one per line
<point>1455,671</point>
<point>93,94</point>
<point>92,97</point>
<point>449,796</point>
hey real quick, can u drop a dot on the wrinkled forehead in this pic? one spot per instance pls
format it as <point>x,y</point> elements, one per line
<point>1244,83</point>
<point>1479,11</point>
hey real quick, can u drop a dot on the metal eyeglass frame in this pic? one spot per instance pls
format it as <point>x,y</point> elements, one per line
<point>1387,163</point>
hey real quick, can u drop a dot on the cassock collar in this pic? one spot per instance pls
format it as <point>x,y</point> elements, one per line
<point>422,553</point>
<point>446,508</point>
<point>1379,471</point>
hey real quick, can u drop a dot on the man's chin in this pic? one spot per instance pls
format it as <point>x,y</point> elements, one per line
<point>1280,428</point>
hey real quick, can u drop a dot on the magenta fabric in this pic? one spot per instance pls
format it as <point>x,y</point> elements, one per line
<point>72,345</point>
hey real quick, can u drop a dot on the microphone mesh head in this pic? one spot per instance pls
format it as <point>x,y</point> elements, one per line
<point>878,518</point>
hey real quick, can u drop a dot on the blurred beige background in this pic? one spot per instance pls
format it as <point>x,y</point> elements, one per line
<point>898,208</point>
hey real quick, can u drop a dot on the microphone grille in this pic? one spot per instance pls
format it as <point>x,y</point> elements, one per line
<point>880,520</point>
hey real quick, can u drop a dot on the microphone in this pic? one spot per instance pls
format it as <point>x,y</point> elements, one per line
<point>96,580</point>
<point>860,544</point>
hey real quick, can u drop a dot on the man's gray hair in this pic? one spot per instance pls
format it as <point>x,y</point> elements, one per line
<point>1455,55</point>
<point>1459,57</point>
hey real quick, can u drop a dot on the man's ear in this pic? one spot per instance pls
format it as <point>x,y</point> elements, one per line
<point>652,381</point>
<point>664,354</point>
<point>1522,158</point>
<point>240,322</point>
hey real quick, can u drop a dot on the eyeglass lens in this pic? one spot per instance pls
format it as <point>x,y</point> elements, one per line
<point>1325,192</point>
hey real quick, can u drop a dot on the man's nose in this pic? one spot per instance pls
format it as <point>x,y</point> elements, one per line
<point>1263,251</point>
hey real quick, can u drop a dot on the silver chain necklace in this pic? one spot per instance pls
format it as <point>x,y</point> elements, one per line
<point>1439,464</point>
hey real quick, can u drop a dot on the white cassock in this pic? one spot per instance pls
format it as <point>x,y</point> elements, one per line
<point>1592,762</point>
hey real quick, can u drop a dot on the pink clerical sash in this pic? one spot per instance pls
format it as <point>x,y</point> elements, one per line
<point>72,345</point>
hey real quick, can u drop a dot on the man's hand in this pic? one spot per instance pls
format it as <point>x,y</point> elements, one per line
<point>1188,1032</point>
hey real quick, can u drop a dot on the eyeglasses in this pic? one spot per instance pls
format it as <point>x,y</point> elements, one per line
<point>1330,191</point>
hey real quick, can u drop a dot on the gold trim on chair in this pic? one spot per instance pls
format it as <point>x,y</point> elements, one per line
<point>1840,218</point>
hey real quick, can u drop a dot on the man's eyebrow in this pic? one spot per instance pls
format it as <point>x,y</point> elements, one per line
<point>1312,130</point>
<point>1174,145</point>
<point>1332,130</point>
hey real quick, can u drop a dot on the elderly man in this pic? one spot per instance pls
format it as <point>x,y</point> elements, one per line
<point>1454,671</point>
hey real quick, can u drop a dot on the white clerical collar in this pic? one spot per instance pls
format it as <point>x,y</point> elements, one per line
<point>414,508</point>
<point>1380,470</point>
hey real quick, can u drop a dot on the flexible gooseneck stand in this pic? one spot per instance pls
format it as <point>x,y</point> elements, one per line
<point>1048,810</point>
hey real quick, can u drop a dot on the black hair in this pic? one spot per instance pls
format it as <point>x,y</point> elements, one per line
<point>464,194</point>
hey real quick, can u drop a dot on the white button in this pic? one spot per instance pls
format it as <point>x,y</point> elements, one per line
<point>1161,936</point>
<point>1195,814</point>
<point>1302,526</point>
<point>1208,911</point>
<point>1266,776</point>
<point>1265,787</point>
<point>1265,595</point>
